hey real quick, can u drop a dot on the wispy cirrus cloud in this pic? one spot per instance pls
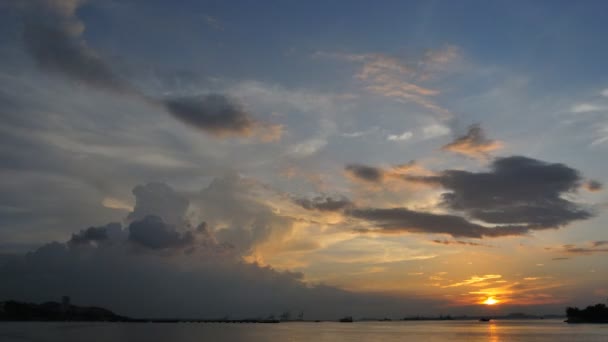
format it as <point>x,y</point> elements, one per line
<point>593,247</point>
<point>400,78</point>
<point>474,280</point>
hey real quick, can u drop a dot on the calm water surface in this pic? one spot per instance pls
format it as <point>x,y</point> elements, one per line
<point>511,330</point>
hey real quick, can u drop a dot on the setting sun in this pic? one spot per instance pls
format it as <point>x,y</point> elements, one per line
<point>490,301</point>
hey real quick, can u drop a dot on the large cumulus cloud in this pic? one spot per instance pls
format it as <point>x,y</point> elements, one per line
<point>155,269</point>
<point>160,200</point>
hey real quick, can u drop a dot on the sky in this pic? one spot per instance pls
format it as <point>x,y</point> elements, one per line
<point>246,158</point>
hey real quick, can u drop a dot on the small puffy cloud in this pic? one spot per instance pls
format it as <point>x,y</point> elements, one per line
<point>604,92</point>
<point>401,137</point>
<point>473,144</point>
<point>365,172</point>
<point>214,113</point>
<point>434,131</point>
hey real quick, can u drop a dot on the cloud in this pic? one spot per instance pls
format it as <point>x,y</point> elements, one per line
<point>434,131</point>
<point>207,280</point>
<point>240,208</point>
<point>401,137</point>
<point>213,22</point>
<point>324,203</point>
<point>516,196</point>
<point>401,220</point>
<point>402,79</point>
<point>160,200</point>
<point>473,144</point>
<point>52,35</point>
<point>591,248</point>
<point>593,185</point>
<point>214,113</point>
<point>365,172</point>
<point>474,280</point>
<point>516,190</point>
<point>604,92</point>
<point>586,108</point>
<point>457,242</point>
<point>96,234</point>
<point>152,232</point>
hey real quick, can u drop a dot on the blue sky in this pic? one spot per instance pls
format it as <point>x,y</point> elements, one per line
<point>365,146</point>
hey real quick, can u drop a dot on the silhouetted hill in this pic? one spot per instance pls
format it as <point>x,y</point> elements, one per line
<point>54,311</point>
<point>597,313</point>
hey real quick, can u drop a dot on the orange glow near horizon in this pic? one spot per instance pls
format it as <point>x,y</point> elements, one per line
<point>491,301</point>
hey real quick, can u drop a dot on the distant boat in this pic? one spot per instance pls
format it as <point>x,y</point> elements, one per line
<point>347,319</point>
<point>485,319</point>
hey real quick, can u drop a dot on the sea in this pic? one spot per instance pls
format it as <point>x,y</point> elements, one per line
<point>548,330</point>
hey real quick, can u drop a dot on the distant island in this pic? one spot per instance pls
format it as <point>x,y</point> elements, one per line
<point>54,311</point>
<point>597,313</point>
<point>64,311</point>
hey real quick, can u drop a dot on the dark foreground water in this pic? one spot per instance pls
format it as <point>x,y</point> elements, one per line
<point>506,330</point>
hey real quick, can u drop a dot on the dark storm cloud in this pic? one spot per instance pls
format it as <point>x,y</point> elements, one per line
<point>399,220</point>
<point>516,190</point>
<point>213,113</point>
<point>365,173</point>
<point>324,203</point>
<point>152,232</point>
<point>473,144</point>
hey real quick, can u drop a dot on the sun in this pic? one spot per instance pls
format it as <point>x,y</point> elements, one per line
<point>490,301</point>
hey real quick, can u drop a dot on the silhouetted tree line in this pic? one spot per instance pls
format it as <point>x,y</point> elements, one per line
<point>597,313</point>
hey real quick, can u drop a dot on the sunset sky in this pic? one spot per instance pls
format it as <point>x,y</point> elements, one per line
<point>206,158</point>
